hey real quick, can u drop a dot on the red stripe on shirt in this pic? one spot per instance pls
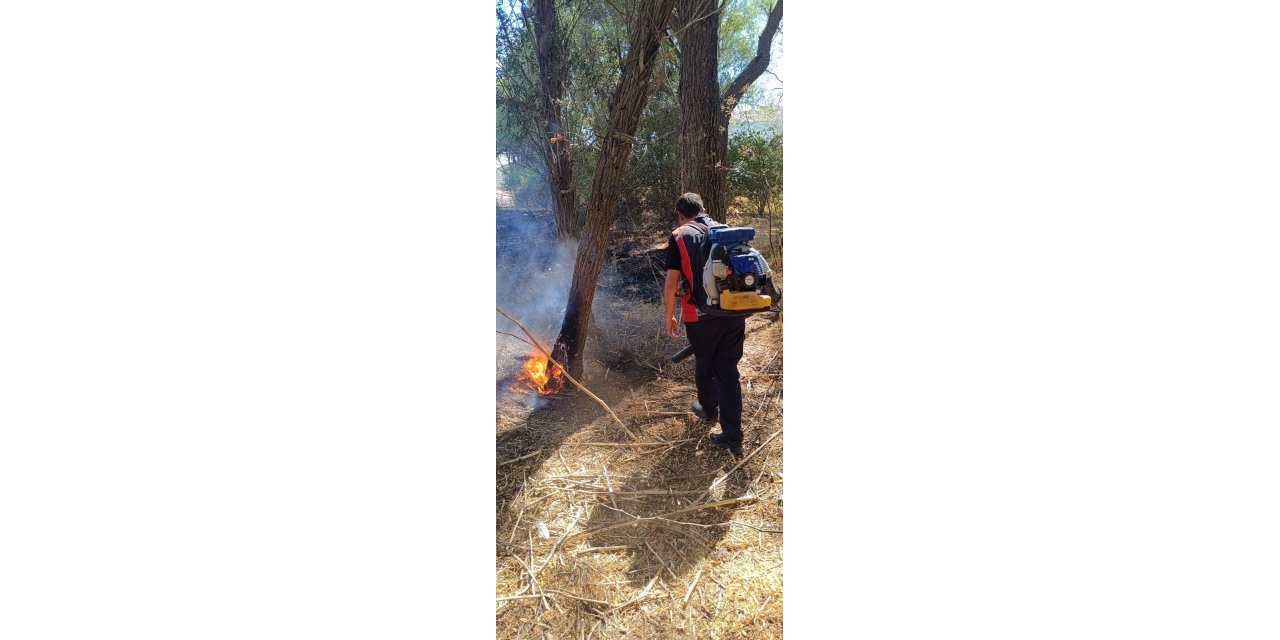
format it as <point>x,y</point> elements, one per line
<point>687,311</point>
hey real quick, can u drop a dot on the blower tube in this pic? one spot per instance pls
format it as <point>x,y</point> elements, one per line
<point>682,354</point>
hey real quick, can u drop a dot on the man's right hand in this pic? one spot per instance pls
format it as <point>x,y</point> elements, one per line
<point>669,302</point>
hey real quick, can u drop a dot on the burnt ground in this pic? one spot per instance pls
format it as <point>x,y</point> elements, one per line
<point>566,469</point>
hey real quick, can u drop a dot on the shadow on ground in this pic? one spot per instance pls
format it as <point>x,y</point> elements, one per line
<point>670,547</point>
<point>542,430</point>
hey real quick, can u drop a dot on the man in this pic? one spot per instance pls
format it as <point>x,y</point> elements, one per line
<point>716,340</point>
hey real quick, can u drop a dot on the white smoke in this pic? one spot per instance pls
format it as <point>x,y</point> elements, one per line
<point>533,276</point>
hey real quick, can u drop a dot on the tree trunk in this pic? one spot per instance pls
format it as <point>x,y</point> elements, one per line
<point>704,112</point>
<point>702,149</point>
<point>549,47</point>
<point>652,18</point>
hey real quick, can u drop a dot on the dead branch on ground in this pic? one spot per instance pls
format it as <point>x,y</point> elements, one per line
<point>709,505</point>
<point>744,460</point>
<point>577,384</point>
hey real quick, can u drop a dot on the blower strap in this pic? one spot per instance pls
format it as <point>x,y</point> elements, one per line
<point>690,301</point>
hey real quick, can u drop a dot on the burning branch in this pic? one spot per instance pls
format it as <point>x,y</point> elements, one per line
<point>577,384</point>
<point>540,376</point>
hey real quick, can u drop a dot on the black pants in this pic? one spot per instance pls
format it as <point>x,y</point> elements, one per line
<point>717,348</point>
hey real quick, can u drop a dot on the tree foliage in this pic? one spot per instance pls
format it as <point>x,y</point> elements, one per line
<point>598,35</point>
<point>595,42</point>
<point>755,158</point>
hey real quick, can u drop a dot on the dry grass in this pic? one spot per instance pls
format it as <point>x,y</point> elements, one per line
<point>566,469</point>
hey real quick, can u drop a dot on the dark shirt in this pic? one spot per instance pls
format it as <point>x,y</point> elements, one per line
<point>692,238</point>
<point>673,254</point>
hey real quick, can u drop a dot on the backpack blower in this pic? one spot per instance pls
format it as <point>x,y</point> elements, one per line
<point>736,279</point>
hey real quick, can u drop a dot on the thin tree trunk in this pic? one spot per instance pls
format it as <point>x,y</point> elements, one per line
<point>652,18</point>
<point>549,46</point>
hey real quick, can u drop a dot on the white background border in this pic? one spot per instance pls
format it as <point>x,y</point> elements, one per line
<point>244,345</point>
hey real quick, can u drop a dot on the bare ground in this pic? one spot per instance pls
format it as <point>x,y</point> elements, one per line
<point>599,536</point>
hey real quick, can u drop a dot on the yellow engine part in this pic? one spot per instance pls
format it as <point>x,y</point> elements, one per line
<point>744,301</point>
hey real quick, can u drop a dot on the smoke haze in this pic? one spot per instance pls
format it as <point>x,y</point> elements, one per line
<point>533,273</point>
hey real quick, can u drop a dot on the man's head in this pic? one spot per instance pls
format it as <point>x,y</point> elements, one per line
<point>688,206</point>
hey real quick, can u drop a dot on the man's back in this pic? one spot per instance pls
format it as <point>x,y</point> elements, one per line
<point>717,341</point>
<point>686,254</point>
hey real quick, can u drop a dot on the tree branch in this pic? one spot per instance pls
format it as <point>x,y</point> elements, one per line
<point>758,64</point>
<point>696,20</point>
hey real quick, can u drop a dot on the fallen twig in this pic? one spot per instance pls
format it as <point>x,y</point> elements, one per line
<point>516,526</point>
<point>533,582</point>
<point>620,547</point>
<point>523,457</point>
<point>744,460</point>
<point>553,592</point>
<point>760,529</point>
<point>609,485</point>
<point>524,597</point>
<point>660,560</point>
<point>693,584</point>
<point>766,403</point>
<point>766,603</point>
<point>775,357</point>
<point>577,597</point>
<point>664,516</point>
<point>642,596</point>
<point>639,492</point>
<point>629,445</point>
<point>556,546</point>
<point>577,384</point>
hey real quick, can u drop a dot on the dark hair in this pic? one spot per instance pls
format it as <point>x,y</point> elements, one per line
<point>689,205</point>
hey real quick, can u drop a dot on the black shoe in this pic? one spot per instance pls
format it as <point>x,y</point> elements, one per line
<point>724,442</point>
<point>707,416</point>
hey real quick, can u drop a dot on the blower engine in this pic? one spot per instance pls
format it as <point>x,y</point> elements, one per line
<point>736,278</point>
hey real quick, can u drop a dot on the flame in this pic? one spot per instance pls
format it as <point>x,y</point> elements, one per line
<point>539,376</point>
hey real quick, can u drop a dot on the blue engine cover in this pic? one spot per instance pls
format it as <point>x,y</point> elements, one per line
<point>731,235</point>
<point>749,262</point>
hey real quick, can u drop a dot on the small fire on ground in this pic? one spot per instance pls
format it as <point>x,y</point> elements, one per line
<point>534,377</point>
